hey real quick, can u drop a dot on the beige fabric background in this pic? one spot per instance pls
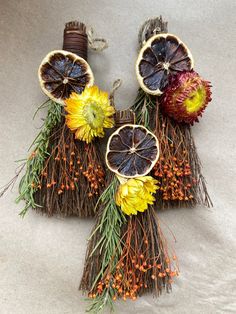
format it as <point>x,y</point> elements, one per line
<point>41,259</point>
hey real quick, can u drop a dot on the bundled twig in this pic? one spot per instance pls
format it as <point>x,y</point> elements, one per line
<point>179,166</point>
<point>105,237</point>
<point>125,257</point>
<point>72,176</point>
<point>150,28</point>
<point>63,175</point>
<point>73,173</point>
<point>30,181</point>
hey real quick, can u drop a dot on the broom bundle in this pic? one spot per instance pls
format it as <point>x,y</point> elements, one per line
<point>127,254</point>
<point>178,168</point>
<point>65,172</point>
<point>72,176</point>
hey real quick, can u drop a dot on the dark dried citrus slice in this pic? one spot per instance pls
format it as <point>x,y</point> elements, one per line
<point>162,55</point>
<point>61,73</point>
<point>132,151</point>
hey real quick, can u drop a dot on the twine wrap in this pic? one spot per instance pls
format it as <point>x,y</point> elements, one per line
<point>76,39</point>
<point>150,28</point>
<point>123,117</point>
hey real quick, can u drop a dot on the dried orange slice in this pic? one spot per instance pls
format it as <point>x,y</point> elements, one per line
<point>161,56</point>
<point>61,73</point>
<point>132,151</point>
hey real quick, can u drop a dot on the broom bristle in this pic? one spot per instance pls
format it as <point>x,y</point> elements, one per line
<point>179,167</point>
<point>144,263</point>
<point>72,177</point>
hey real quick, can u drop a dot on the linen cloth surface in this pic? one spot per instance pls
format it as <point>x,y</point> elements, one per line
<point>41,259</point>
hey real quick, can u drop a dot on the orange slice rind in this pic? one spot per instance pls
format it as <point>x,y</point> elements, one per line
<point>132,151</point>
<point>162,55</point>
<point>61,73</point>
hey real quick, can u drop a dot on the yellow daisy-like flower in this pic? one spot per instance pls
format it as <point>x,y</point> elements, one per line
<point>89,113</point>
<point>135,194</point>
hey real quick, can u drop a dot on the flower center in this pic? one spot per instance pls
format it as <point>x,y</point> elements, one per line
<point>195,100</point>
<point>94,115</point>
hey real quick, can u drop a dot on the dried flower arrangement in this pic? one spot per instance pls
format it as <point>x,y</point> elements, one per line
<point>127,253</point>
<point>151,159</point>
<point>156,165</point>
<point>170,99</point>
<point>65,172</point>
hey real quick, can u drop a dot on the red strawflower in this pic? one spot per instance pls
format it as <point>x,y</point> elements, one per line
<point>186,97</point>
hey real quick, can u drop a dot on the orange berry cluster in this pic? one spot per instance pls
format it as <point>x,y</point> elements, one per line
<point>144,263</point>
<point>68,163</point>
<point>95,176</point>
<point>131,276</point>
<point>176,178</point>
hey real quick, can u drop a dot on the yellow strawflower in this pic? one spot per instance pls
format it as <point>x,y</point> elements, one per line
<point>89,113</point>
<point>135,194</point>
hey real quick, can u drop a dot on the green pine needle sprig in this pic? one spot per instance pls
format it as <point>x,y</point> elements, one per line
<point>34,164</point>
<point>143,107</point>
<point>109,245</point>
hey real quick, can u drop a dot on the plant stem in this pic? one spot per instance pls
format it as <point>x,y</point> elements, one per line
<point>30,181</point>
<point>104,246</point>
